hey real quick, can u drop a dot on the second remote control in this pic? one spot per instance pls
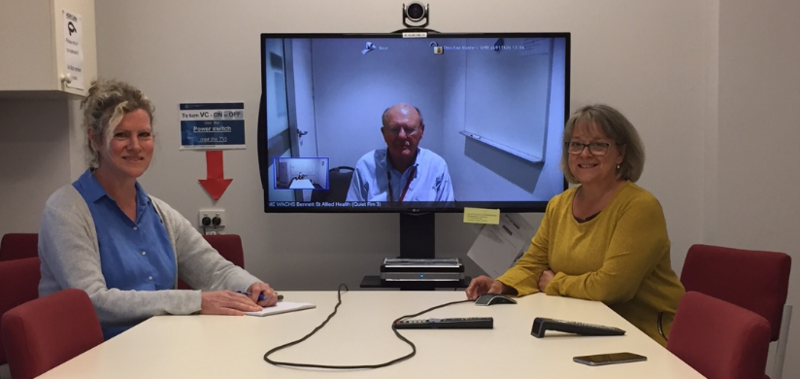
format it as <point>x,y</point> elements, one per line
<point>447,323</point>
<point>542,324</point>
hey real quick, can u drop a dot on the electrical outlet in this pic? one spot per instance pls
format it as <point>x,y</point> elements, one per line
<point>211,214</point>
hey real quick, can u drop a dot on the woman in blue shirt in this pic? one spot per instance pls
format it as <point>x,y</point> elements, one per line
<point>105,235</point>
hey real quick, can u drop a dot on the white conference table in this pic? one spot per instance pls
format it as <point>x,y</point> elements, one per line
<point>360,333</point>
<point>302,184</point>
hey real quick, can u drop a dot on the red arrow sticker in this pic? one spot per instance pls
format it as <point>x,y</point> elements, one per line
<point>215,183</point>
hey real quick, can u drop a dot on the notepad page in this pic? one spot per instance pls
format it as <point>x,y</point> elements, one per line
<point>281,307</point>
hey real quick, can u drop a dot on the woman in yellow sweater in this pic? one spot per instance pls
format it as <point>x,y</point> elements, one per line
<point>605,239</point>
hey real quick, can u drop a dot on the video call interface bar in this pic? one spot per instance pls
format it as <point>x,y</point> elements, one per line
<point>482,47</point>
<point>377,205</point>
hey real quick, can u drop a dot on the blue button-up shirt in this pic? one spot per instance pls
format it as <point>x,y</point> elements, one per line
<point>427,180</point>
<point>134,255</point>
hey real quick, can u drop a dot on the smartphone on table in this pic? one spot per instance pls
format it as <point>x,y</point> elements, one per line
<point>609,359</point>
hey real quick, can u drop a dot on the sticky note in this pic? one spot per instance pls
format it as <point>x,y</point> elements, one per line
<point>481,216</point>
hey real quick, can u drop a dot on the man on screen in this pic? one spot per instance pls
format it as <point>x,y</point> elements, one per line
<point>402,171</point>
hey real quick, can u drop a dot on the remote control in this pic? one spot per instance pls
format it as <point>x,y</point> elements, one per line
<point>542,324</point>
<point>447,323</point>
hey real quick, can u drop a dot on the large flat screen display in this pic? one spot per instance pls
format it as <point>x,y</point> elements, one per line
<point>399,123</point>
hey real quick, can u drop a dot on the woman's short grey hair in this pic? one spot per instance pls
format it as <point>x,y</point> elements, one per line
<point>616,127</point>
<point>108,101</point>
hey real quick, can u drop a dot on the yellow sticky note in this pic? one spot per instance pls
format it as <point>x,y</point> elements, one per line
<point>481,216</point>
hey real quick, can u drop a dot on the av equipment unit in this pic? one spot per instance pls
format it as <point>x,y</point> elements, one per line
<point>422,270</point>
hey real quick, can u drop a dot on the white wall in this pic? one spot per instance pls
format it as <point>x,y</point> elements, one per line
<point>757,178</point>
<point>351,90</point>
<point>709,84</point>
<point>349,98</point>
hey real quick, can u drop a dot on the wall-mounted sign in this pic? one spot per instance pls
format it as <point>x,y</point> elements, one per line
<point>73,45</point>
<point>212,126</point>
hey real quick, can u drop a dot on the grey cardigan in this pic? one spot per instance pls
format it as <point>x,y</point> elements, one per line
<point>70,258</point>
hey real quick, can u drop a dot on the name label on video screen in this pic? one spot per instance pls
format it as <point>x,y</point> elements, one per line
<point>331,204</point>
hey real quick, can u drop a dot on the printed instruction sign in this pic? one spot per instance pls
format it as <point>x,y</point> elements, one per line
<point>498,247</point>
<point>73,45</point>
<point>212,126</point>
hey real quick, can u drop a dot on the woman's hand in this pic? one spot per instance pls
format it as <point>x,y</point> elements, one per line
<point>259,288</point>
<point>484,284</point>
<point>226,303</point>
<point>544,280</point>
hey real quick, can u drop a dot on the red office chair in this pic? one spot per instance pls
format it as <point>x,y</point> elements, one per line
<point>719,339</point>
<point>19,245</point>
<point>723,273</point>
<point>19,283</point>
<point>228,245</point>
<point>46,332</point>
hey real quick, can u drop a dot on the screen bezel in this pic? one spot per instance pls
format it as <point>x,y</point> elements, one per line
<point>457,207</point>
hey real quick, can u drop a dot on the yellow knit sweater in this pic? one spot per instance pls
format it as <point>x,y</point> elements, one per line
<point>620,257</point>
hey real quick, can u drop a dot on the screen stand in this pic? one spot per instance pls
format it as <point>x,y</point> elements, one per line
<point>417,235</point>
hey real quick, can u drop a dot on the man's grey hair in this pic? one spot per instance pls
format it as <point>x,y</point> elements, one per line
<point>385,114</point>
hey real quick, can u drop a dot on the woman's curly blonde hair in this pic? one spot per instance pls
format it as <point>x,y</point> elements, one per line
<point>108,101</point>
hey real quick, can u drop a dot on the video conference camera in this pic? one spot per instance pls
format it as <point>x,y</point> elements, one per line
<point>415,15</point>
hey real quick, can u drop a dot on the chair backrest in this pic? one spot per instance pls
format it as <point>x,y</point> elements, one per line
<point>19,245</point>
<point>338,185</point>
<point>719,339</point>
<point>228,245</point>
<point>722,273</point>
<point>46,332</point>
<point>19,283</point>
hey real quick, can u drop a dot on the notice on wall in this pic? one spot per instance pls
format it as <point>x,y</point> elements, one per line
<point>212,126</point>
<point>73,45</point>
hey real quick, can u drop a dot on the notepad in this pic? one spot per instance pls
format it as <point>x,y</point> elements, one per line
<point>281,307</point>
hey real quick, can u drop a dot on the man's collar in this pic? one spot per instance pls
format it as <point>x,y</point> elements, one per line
<point>387,163</point>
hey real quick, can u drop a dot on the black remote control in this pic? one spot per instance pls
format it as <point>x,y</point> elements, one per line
<point>542,324</point>
<point>447,323</point>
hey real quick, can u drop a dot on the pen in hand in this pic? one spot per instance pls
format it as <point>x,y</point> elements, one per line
<point>261,296</point>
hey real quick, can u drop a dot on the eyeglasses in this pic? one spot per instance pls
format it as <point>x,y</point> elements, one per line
<point>396,130</point>
<point>595,148</point>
